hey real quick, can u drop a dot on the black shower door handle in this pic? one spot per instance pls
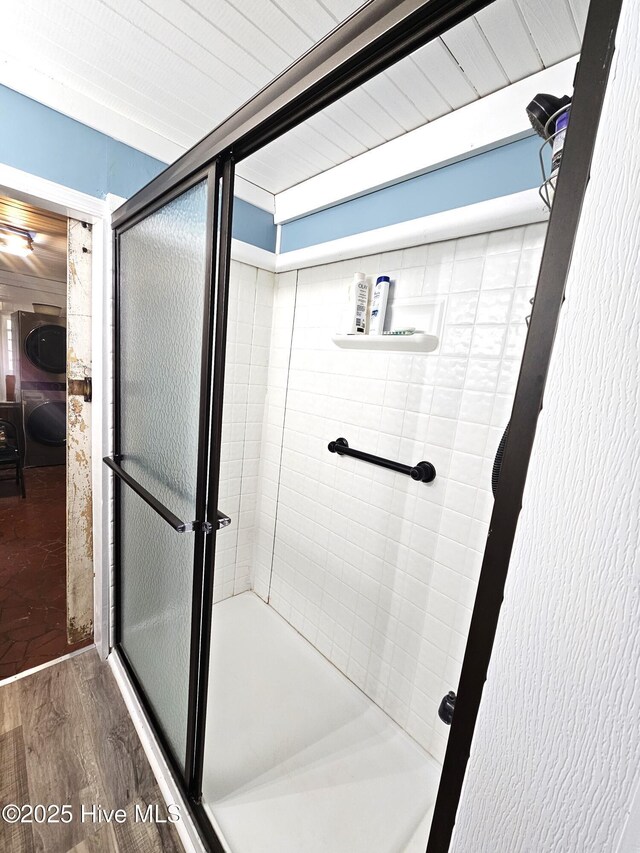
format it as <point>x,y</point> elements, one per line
<point>164,512</point>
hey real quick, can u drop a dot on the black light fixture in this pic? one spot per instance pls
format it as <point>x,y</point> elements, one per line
<point>542,109</point>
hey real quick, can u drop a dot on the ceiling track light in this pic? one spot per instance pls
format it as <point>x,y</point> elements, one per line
<point>15,241</point>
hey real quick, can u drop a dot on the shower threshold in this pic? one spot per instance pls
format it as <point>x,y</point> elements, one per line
<point>297,757</point>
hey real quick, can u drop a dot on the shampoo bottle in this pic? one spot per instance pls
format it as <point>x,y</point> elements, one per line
<point>379,305</point>
<point>358,308</point>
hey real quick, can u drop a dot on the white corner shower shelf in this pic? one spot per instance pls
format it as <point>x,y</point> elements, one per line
<point>390,343</point>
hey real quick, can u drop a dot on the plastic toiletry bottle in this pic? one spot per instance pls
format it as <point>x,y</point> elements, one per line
<point>358,305</point>
<point>558,138</point>
<point>379,305</point>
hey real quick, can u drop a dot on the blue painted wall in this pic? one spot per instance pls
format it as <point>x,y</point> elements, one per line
<point>46,143</point>
<point>501,171</point>
<point>253,225</point>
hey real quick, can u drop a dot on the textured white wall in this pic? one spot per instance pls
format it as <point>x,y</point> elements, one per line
<point>557,744</point>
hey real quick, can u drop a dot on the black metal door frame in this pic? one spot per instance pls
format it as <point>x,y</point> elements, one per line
<point>219,178</point>
<point>372,39</point>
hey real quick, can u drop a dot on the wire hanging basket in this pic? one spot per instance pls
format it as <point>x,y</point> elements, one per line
<point>548,187</point>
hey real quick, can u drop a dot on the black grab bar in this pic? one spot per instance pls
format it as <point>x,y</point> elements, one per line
<point>423,471</point>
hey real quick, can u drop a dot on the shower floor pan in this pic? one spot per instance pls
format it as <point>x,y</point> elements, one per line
<point>298,759</point>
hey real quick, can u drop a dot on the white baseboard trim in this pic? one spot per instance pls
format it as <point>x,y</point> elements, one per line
<point>509,211</point>
<point>171,793</point>
<point>42,666</point>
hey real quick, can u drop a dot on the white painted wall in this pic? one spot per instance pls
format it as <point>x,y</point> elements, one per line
<point>556,756</point>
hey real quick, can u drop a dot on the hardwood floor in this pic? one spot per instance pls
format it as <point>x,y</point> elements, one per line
<point>66,738</point>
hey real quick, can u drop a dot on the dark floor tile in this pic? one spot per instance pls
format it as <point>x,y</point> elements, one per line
<point>33,572</point>
<point>35,645</point>
<point>14,653</point>
<point>27,632</point>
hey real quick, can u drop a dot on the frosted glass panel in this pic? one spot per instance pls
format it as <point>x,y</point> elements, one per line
<point>162,287</point>
<point>162,276</point>
<point>156,577</point>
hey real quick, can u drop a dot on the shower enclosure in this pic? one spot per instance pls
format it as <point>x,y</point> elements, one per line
<point>279,607</point>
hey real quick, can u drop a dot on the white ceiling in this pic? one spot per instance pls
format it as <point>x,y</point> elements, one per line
<point>160,74</point>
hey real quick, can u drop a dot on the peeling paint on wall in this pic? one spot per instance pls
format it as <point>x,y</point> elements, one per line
<point>79,498</point>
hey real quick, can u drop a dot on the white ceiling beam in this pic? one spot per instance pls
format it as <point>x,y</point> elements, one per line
<point>469,130</point>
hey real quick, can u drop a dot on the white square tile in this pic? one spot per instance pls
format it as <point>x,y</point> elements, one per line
<point>507,240</point>
<point>529,267</point>
<point>494,306</point>
<point>446,402</point>
<point>488,342</point>
<point>440,253</point>
<point>521,307</point>
<point>477,407</point>
<point>482,374</point>
<point>471,438</point>
<point>535,235</point>
<point>467,274</point>
<point>472,247</point>
<point>500,271</point>
<point>515,339</point>
<point>456,340</point>
<point>408,283</point>
<point>437,279</point>
<point>461,307</point>
<point>415,257</point>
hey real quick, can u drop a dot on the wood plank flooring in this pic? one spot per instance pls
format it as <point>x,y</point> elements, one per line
<point>66,738</point>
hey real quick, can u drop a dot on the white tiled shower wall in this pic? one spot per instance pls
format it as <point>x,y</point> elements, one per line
<point>251,293</point>
<point>377,571</point>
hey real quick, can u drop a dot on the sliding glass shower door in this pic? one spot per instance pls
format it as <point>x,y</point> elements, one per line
<point>170,317</point>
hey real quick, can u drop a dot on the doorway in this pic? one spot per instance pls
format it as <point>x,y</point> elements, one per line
<point>41,338</point>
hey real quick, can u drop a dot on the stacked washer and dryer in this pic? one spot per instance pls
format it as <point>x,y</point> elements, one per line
<point>41,348</point>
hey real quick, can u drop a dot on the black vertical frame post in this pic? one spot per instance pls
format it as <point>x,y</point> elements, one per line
<point>117,446</point>
<point>224,190</point>
<point>204,428</point>
<point>203,528</point>
<point>590,86</point>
